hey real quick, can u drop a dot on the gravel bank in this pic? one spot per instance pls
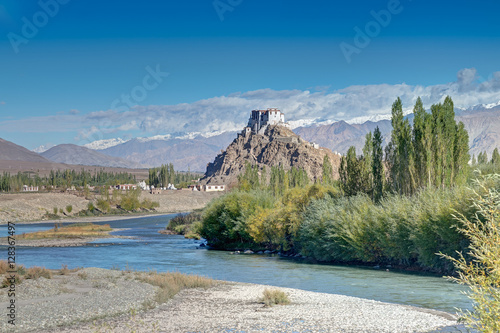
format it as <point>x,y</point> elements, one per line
<point>225,308</point>
<point>82,296</point>
<point>31,207</point>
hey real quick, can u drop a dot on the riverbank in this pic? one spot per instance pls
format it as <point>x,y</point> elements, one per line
<point>118,301</point>
<point>32,207</point>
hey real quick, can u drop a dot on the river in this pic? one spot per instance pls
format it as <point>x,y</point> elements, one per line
<point>150,250</point>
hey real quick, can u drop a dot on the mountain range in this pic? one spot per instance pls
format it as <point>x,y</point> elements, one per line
<point>195,152</point>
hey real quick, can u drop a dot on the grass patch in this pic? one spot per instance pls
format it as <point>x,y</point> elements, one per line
<point>4,266</point>
<point>172,283</point>
<point>65,270</point>
<point>21,273</point>
<point>272,297</point>
<point>36,272</point>
<point>7,281</point>
<point>77,230</point>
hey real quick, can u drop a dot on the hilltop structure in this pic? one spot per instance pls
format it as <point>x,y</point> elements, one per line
<point>261,119</point>
<point>268,142</point>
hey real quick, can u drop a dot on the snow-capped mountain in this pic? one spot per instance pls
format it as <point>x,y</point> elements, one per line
<point>103,144</point>
<point>43,148</point>
<point>195,149</point>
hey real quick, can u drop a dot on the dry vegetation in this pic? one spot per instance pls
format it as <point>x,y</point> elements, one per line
<point>274,297</point>
<point>33,273</point>
<point>77,230</point>
<point>173,282</point>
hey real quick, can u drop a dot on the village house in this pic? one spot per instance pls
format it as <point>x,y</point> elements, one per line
<point>214,188</point>
<point>155,190</point>
<point>27,188</point>
<point>126,187</point>
<point>207,188</point>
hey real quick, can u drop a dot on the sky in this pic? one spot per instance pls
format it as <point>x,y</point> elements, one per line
<point>75,71</point>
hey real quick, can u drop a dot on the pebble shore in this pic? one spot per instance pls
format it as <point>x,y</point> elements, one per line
<point>99,300</point>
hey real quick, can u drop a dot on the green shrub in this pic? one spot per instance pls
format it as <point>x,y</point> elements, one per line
<point>55,210</point>
<point>183,222</point>
<point>148,204</point>
<point>103,205</point>
<point>130,200</point>
<point>225,218</point>
<point>482,273</point>
<point>400,230</point>
<point>69,208</point>
<point>90,207</point>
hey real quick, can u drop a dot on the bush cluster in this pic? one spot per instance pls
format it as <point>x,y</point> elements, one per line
<point>317,221</point>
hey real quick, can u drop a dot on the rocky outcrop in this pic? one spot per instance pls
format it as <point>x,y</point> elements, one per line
<point>279,146</point>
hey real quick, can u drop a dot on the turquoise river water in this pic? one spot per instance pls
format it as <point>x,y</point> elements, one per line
<point>151,250</point>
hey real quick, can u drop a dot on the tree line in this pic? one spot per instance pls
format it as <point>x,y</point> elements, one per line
<point>63,178</point>
<point>434,152</point>
<point>165,174</point>
<point>280,180</point>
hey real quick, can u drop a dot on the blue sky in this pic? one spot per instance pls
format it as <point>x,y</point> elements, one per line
<point>64,81</point>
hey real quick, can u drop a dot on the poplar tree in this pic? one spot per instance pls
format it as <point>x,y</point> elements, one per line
<point>482,158</point>
<point>495,157</point>
<point>377,166</point>
<point>450,133</point>
<point>350,173</point>
<point>327,175</point>
<point>437,152</point>
<point>460,155</point>
<point>420,138</point>
<point>401,158</point>
<point>366,164</point>
<point>438,145</point>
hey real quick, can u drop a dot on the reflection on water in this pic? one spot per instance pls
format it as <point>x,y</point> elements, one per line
<point>151,250</point>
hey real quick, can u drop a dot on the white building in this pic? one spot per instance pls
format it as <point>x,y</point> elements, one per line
<point>27,188</point>
<point>260,119</point>
<point>214,188</point>
<point>143,186</point>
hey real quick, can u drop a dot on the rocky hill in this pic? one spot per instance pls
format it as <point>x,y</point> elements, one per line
<point>278,146</point>
<point>9,151</point>
<point>77,155</point>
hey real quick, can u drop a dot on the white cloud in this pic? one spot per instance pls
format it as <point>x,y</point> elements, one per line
<point>230,113</point>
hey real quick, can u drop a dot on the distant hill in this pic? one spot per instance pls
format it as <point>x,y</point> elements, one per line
<point>193,154</point>
<point>9,151</point>
<point>340,136</point>
<point>77,155</point>
<point>483,127</point>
